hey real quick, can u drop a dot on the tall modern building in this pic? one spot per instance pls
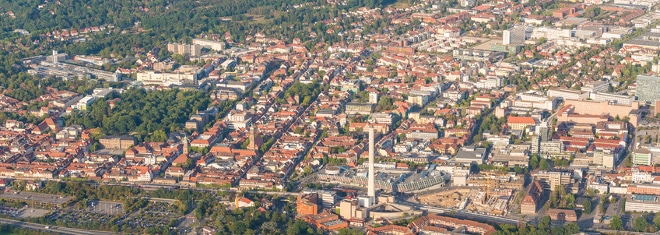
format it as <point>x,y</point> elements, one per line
<point>516,35</point>
<point>371,190</point>
<point>648,88</point>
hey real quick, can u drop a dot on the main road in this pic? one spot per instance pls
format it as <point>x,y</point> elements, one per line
<point>60,230</point>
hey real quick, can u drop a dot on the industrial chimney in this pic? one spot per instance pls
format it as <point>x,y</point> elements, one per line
<point>371,190</point>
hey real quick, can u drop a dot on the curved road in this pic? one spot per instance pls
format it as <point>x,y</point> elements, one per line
<point>56,229</point>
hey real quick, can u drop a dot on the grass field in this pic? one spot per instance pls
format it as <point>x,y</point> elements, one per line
<point>399,4</point>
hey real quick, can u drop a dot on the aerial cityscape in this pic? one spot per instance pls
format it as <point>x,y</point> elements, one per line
<point>343,117</point>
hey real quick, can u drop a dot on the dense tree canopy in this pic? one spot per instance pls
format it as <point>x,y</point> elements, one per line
<point>142,112</point>
<point>544,227</point>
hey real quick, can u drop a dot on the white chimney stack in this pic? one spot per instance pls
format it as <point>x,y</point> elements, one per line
<point>371,190</point>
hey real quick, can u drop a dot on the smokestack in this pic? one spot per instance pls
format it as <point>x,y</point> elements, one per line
<point>371,191</point>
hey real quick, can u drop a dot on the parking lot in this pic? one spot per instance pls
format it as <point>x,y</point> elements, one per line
<point>104,207</point>
<point>79,218</point>
<point>155,214</point>
<point>29,212</point>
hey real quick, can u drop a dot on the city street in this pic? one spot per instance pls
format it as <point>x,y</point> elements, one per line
<point>61,230</point>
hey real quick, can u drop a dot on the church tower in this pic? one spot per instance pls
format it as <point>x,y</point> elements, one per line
<point>252,145</point>
<point>185,145</point>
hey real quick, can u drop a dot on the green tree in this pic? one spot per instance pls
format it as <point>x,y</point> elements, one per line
<point>545,223</point>
<point>534,161</point>
<point>572,228</point>
<point>307,170</point>
<point>656,221</point>
<point>543,165</point>
<point>640,224</point>
<point>570,201</point>
<point>245,144</point>
<point>188,164</point>
<point>616,223</point>
<point>587,206</point>
<point>159,136</point>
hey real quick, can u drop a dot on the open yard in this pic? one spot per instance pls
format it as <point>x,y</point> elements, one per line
<point>451,198</point>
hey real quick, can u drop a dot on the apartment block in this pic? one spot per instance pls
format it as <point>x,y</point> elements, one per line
<point>554,178</point>
<point>185,49</point>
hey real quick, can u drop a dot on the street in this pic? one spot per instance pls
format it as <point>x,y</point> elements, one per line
<point>56,229</point>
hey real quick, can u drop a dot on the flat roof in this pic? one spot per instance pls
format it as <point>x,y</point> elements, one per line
<point>37,197</point>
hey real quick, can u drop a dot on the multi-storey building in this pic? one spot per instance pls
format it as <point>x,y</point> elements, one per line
<point>520,123</point>
<point>567,94</point>
<point>642,156</point>
<point>307,204</point>
<point>596,86</point>
<point>642,203</point>
<point>532,200</point>
<point>554,178</point>
<point>612,98</point>
<point>185,49</point>
<point>117,142</point>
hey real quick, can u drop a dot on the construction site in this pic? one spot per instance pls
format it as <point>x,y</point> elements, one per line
<point>447,199</point>
<point>489,202</point>
<point>492,202</point>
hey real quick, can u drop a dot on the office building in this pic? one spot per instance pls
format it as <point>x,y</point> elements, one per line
<point>307,204</point>
<point>516,35</point>
<point>642,157</point>
<point>612,98</point>
<point>350,209</point>
<point>642,203</point>
<point>567,94</point>
<point>596,86</point>
<point>327,198</point>
<point>213,45</point>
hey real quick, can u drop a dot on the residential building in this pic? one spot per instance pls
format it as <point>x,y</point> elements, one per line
<point>243,202</point>
<point>117,142</point>
<point>554,178</point>
<point>650,189</point>
<point>520,123</point>
<point>604,158</point>
<point>359,108</point>
<point>453,224</point>
<point>551,147</point>
<point>185,49</point>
